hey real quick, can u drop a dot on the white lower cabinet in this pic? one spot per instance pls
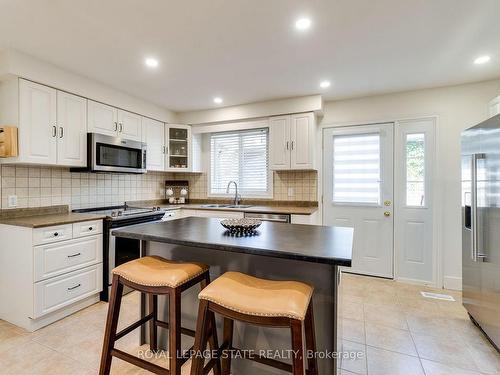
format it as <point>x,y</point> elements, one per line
<point>213,213</point>
<point>49,273</point>
<point>61,257</point>
<point>55,293</point>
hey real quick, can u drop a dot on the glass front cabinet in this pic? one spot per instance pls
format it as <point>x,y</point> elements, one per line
<point>177,150</point>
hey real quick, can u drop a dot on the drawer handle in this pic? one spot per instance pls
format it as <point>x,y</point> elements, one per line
<point>74,287</point>
<point>74,255</point>
<point>90,228</point>
<point>56,234</point>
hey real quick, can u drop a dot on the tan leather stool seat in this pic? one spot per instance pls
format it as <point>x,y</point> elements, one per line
<point>157,271</point>
<point>253,296</point>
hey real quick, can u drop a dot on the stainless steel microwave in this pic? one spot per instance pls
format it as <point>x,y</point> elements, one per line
<point>114,154</point>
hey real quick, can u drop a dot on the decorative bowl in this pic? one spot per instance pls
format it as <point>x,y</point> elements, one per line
<point>245,226</point>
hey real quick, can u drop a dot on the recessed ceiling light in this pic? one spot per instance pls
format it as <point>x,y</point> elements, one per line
<point>151,62</point>
<point>324,84</point>
<point>303,24</point>
<point>218,100</point>
<point>482,60</point>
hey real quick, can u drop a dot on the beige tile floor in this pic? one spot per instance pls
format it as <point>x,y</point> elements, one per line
<point>395,329</point>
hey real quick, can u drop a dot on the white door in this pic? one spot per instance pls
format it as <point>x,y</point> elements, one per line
<point>414,235</point>
<point>129,125</point>
<point>302,141</point>
<point>358,192</point>
<point>153,135</point>
<point>72,131</point>
<point>102,119</point>
<point>38,125</point>
<point>279,142</point>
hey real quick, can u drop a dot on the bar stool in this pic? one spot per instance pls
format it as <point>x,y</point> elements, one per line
<point>237,296</point>
<point>154,276</point>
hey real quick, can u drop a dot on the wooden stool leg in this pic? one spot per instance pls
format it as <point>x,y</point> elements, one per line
<point>212,339</point>
<point>297,347</point>
<point>227,338</point>
<point>153,328</point>
<point>312,362</point>
<point>174,332</point>
<point>201,338</point>
<point>115,300</point>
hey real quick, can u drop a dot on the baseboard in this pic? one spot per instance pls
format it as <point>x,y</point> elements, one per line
<point>453,283</point>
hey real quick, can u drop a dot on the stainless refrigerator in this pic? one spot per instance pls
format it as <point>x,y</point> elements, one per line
<point>481,226</point>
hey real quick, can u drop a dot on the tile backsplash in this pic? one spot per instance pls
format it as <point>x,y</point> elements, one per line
<point>37,186</point>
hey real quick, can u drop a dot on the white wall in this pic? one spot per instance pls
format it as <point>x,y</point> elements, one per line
<point>311,103</point>
<point>19,64</point>
<point>457,108</point>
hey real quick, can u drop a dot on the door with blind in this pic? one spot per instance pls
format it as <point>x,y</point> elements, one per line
<point>358,192</point>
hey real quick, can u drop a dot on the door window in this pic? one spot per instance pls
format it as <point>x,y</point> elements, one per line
<point>415,169</point>
<point>356,169</point>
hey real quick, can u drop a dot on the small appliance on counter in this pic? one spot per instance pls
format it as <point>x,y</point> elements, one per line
<point>177,191</point>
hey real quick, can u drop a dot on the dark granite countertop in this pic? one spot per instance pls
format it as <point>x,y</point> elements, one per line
<point>311,243</point>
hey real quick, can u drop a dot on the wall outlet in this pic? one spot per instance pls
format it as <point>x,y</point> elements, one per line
<point>290,192</point>
<point>12,200</point>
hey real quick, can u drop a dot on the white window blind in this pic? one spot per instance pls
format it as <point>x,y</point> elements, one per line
<point>356,168</point>
<point>240,156</point>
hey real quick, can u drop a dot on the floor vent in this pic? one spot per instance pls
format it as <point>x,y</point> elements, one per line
<point>444,297</point>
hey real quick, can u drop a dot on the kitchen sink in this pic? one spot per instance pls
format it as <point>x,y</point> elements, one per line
<point>225,205</point>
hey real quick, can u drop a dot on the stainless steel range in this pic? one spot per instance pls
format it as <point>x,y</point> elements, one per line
<point>121,250</point>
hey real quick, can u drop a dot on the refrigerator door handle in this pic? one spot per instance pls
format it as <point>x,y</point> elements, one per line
<point>474,217</point>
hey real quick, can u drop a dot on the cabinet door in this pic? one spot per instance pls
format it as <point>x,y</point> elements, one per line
<point>129,125</point>
<point>279,142</point>
<point>153,136</point>
<point>178,142</point>
<point>72,130</point>
<point>102,118</point>
<point>302,137</point>
<point>37,123</point>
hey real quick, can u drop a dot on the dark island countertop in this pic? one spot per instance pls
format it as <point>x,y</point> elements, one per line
<point>318,244</point>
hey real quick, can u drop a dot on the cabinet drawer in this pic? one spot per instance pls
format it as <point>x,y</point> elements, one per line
<point>87,228</point>
<point>52,234</point>
<point>220,214</point>
<point>53,294</point>
<point>55,259</point>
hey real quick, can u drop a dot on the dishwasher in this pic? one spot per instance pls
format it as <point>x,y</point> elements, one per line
<point>278,218</point>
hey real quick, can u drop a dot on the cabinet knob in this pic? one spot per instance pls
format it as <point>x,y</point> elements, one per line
<point>56,234</point>
<point>90,228</point>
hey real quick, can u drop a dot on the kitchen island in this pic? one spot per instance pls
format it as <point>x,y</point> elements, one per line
<point>312,254</point>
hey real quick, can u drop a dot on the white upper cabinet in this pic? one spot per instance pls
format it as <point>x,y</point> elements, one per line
<point>302,136</point>
<point>292,142</point>
<point>72,130</point>
<point>108,120</point>
<point>37,123</point>
<point>153,134</point>
<point>279,142</point>
<point>178,148</point>
<point>129,125</point>
<point>102,119</point>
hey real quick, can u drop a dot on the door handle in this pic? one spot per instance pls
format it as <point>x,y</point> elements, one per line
<point>116,126</point>
<point>387,203</point>
<point>121,127</point>
<point>387,213</point>
<point>54,131</point>
<point>292,145</point>
<point>287,144</point>
<point>474,217</point>
<point>61,132</point>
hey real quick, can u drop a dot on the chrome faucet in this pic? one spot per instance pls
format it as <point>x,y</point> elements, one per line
<point>236,196</point>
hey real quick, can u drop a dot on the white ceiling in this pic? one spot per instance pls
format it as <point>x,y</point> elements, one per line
<point>248,50</point>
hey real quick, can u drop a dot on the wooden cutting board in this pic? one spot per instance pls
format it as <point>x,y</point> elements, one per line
<point>8,141</point>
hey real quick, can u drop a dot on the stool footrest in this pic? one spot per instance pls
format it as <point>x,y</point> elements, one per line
<point>265,361</point>
<point>133,326</point>
<point>184,331</point>
<point>139,362</point>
